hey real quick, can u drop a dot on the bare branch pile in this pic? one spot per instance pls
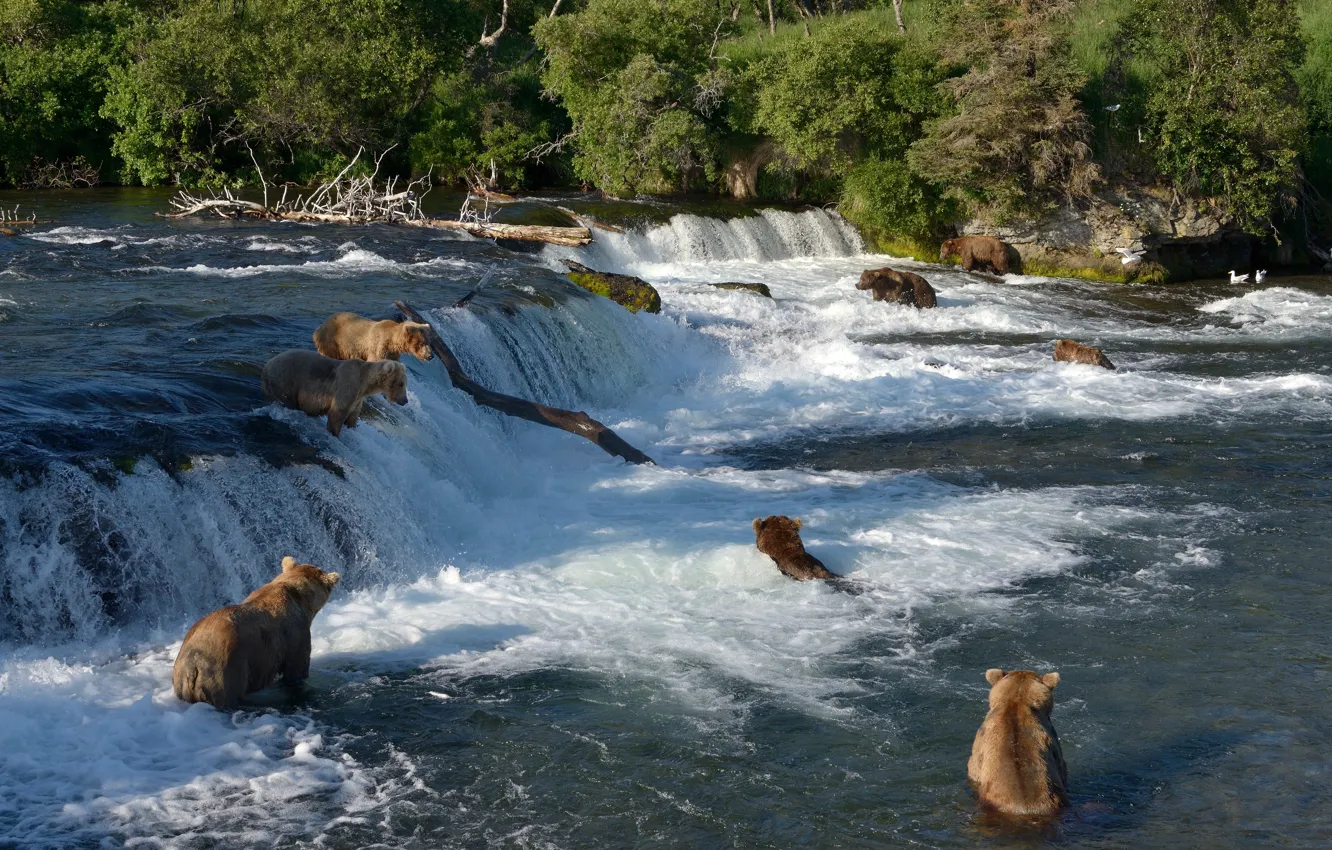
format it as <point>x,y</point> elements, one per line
<point>13,218</point>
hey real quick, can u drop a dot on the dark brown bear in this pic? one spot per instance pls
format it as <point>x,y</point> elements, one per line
<point>778,537</point>
<point>1068,351</point>
<point>898,287</point>
<point>984,253</point>
<point>243,648</point>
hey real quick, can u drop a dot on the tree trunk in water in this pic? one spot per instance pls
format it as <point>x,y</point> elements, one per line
<point>897,10</point>
<point>566,420</point>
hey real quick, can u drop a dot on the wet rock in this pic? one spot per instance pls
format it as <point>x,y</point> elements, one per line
<point>1068,351</point>
<point>632,293</point>
<point>757,288</point>
<point>898,287</point>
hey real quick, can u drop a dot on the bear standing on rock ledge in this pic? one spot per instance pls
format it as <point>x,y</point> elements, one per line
<point>347,336</point>
<point>243,648</point>
<point>315,385</point>
<point>977,252</point>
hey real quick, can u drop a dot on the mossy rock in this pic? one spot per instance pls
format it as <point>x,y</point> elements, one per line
<point>756,288</point>
<point>631,293</point>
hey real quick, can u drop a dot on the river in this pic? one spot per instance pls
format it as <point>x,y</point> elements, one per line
<point>536,645</point>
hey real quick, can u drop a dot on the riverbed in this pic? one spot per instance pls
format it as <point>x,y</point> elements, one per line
<point>537,645</point>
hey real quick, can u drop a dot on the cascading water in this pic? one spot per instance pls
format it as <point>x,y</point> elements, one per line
<point>537,645</point>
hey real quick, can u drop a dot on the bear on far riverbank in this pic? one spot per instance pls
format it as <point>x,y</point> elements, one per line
<point>984,253</point>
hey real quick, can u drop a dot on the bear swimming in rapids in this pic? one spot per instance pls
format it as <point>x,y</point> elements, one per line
<point>243,648</point>
<point>347,336</point>
<point>1068,351</point>
<point>1017,765</point>
<point>898,287</point>
<point>317,385</point>
<point>778,537</point>
<point>978,252</point>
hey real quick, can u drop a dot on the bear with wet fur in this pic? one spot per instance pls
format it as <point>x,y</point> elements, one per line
<point>1017,765</point>
<point>983,253</point>
<point>244,648</point>
<point>347,336</point>
<point>317,385</point>
<point>1068,351</point>
<point>898,287</point>
<point>778,537</point>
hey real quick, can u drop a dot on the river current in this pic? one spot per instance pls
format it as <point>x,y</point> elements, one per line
<point>536,645</point>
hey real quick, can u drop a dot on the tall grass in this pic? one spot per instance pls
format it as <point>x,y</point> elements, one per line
<point>1315,77</point>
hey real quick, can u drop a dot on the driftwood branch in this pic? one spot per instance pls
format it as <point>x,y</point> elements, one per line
<point>13,218</point>
<point>489,40</point>
<point>578,423</point>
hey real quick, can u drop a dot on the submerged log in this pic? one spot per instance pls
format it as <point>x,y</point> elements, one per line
<point>632,293</point>
<point>566,420</point>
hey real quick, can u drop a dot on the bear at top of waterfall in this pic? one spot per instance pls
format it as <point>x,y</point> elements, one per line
<point>347,336</point>
<point>243,648</point>
<point>1017,766</point>
<point>316,385</point>
<point>898,287</point>
<point>778,537</point>
<point>978,252</point>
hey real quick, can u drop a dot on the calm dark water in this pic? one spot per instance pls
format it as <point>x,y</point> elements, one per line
<point>539,647</point>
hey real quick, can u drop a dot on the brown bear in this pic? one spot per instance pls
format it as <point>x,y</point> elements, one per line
<point>977,252</point>
<point>778,537</point>
<point>1068,351</point>
<point>1016,763</point>
<point>244,648</point>
<point>347,336</point>
<point>898,287</point>
<point>316,385</point>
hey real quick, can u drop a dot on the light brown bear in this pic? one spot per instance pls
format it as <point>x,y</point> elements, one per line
<point>244,648</point>
<point>978,252</point>
<point>1016,763</point>
<point>316,385</point>
<point>347,336</point>
<point>1068,351</point>
<point>778,537</point>
<point>898,287</point>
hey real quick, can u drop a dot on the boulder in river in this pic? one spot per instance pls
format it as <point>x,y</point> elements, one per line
<point>1068,351</point>
<point>632,293</point>
<point>756,288</point>
<point>898,287</point>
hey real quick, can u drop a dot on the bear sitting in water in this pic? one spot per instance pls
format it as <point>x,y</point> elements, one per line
<point>316,385</point>
<point>1016,763</point>
<point>244,648</point>
<point>977,252</point>
<point>347,336</point>
<point>898,287</point>
<point>1068,351</point>
<point>778,537</point>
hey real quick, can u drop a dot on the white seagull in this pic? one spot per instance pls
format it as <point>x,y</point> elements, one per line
<point>1260,276</point>
<point>1237,278</point>
<point>1130,256</point>
<point>1114,108</point>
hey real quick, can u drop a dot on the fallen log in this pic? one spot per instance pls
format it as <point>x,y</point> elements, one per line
<point>566,420</point>
<point>569,237</point>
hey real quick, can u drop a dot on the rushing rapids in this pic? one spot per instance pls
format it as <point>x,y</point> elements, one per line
<point>537,645</point>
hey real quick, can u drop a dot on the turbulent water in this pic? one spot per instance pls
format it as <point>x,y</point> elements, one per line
<point>536,645</point>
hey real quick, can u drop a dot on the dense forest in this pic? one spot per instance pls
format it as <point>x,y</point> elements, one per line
<point>910,113</point>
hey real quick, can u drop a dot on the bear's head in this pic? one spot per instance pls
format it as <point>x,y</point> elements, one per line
<point>947,249</point>
<point>390,378</point>
<point>1023,688</point>
<point>778,535</point>
<point>869,277</point>
<point>413,340</point>
<point>310,583</point>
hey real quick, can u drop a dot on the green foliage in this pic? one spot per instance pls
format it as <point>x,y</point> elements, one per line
<point>884,196</point>
<point>1315,80</point>
<point>1018,143</point>
<point>642,90</point>
<point>1225,121</point>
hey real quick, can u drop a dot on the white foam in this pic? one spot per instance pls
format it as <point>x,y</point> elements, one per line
<point>1277,311</point>
<point>353,261</point>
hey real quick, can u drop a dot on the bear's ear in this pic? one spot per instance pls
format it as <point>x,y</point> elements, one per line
<point>796,523</point>
<point>758,525</point>
<point>288,563</point>
<point>993,675</point>
<point>1050,680</point>
<point>331,580</point>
